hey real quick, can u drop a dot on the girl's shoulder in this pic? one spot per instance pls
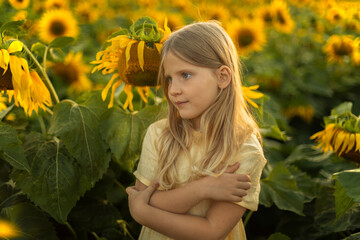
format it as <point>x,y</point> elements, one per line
<point>251,145</point>
<point>157,127</point>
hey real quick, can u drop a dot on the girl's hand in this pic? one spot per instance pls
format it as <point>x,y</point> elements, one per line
<point>227,187</point>
<point>139,200</point>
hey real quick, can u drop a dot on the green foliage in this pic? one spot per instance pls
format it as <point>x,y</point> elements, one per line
<point>278,236</point>
<point>10,146</point>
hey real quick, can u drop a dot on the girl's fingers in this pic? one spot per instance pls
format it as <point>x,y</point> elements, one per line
<point>151,188</point>
<point>233,168</point>
<point>130,190</point>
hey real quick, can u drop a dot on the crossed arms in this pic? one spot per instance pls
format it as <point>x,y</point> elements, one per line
<point>165,211</point>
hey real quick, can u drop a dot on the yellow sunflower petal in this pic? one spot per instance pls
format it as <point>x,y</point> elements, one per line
<point>105,91</point>
<point>114,87</point>
<point>345,143</point>
<point>127,51</point>
<point>351,142</point>
<point>140,49</point>
<point>4,60</point>
<point>357,142</point>
<point>15,46</point>
<point>141,93</point>
<point>158,47</point>
<point>339,140</point>
<point>130,95</point>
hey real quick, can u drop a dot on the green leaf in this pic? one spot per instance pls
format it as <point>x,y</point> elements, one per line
<point>38,48</point>
<point>12,28</point>
<point>61,42</point>
<point>32,223</point>
<point>342,201</point>
<point>281,189</point>
<point>350,179</point>
<point>11,147</point>
<point>124,132</point>
<point>342,109</point>
<point>355,236</point>
<point>94,102</point>
<point>5,112</point>
<point>9,196</point>
<point>56,181</point>
<point>78,127</point>
<point>278,236</point>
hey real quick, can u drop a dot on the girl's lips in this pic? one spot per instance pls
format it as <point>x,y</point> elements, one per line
<point>180,103</point>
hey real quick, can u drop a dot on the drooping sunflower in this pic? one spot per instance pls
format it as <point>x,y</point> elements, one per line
<point>20,83</point>
<point>249,94</point>
<point>283,20</point>
<point>337,47</point>
<point>247,35</point>
<point>8,230</point>
<point>74,72</point>
<point>340,135</point>
<point>19,4</point>
<point>133,58</point>
<point>57,23</point>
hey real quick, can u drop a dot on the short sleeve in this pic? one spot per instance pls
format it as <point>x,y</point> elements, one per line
<point>252,162</point>
<point>148,163</point>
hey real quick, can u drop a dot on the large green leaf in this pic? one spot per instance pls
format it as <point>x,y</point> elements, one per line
<point>280,188</point>
<point>10,196</point>
<point>355,236</point>
<point>347,190</point>
<point>56,181</point>
<point>31,222</point>
<point>78,128</point>
<point>124,132</point>
<point>11,147</point>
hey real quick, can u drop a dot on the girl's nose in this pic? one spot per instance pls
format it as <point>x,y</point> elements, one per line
<point>174,89</point>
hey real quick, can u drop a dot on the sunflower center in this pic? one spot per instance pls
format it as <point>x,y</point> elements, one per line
<point>57,28</point>
<point>267,17</point>
<point>343,49</point>
<point>6,79</point>
<point>67,72</point>
<point>19,1</point>
<point>280,17</point>
<point>245,38</point>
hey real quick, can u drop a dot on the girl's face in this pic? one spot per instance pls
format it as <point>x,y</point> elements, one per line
<point>192,89</point>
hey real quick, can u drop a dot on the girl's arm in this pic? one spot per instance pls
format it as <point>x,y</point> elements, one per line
<point>227,187</point>
<point>218,222</point>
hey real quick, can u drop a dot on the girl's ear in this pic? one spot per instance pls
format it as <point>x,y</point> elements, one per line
<point>224,76</point>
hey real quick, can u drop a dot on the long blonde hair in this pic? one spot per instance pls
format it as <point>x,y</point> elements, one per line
<point>225,125</point>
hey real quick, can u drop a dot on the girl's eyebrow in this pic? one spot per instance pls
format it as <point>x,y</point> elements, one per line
<point>179,72</point>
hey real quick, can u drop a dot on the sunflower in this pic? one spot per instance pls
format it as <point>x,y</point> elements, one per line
<point>248,36</point>
<point>57,23</point>
<point>305,112</point>
<point>19,4</point>
<point>20,83</point>
<point>249,94</point>
<point>337,47</point>
<point>56,4</point>
<point>8,230</point>
<point>74,72</point>
<point>87,12</point>
<point>341,134</point>
<point>21,15</point>
<point>283,21</point>
<point>266,15</point>
<point>213,12</point>
<point>335,15</point>
<point>133,59</point>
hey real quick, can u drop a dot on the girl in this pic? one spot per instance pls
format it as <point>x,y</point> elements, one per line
<point>204,154</point>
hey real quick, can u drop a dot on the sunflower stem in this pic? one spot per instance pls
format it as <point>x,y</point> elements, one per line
<point>72,230</point>
<point>45,78</point>
<point>248,216</point>
<point>45,57</point>
<point>42,125</point>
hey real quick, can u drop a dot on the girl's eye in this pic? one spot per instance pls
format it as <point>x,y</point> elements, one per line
<point>186,75</point>
<point>169,79</point>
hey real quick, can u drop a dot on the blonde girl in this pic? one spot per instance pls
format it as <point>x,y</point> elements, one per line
<point>200,168</point>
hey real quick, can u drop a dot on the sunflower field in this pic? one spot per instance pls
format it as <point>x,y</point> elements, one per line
<point>78,90</point>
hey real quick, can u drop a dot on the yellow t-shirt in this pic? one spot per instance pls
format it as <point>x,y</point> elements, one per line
<point>251,159</point>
